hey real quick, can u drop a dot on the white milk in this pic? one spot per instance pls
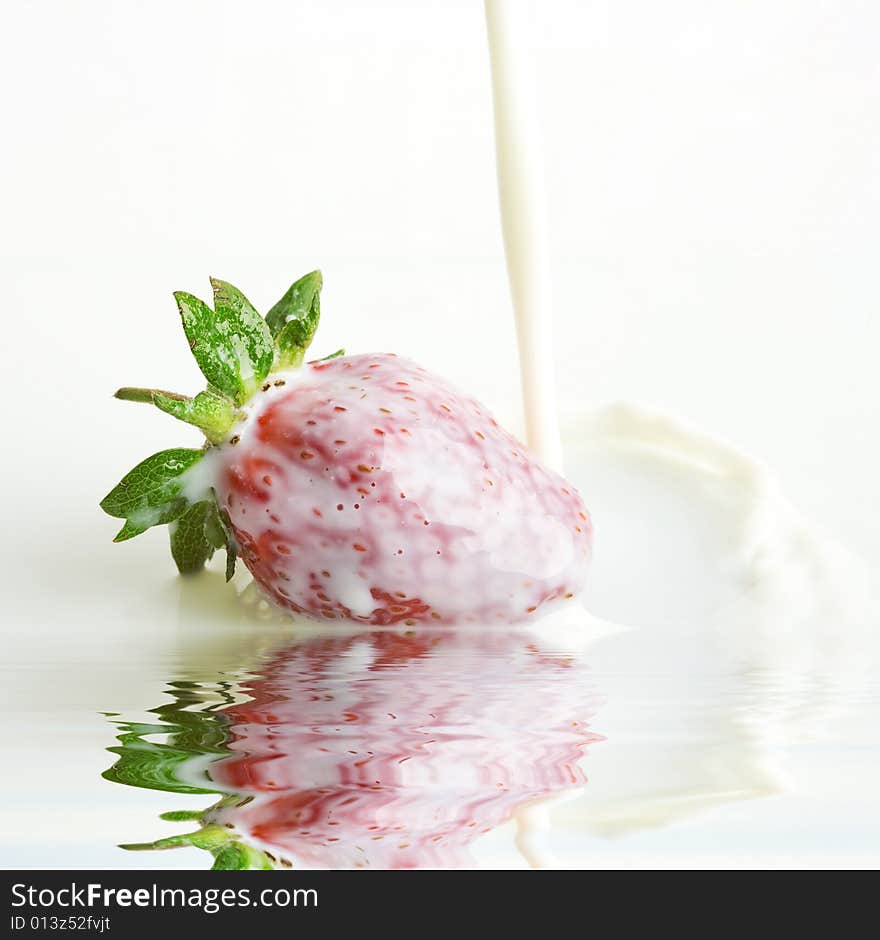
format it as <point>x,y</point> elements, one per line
<point>775,542</point>
<point>803,599</point>
<point>524,222</point>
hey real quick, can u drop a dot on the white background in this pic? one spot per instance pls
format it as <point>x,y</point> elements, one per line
<point>714,197</point>
<point>714,200</point>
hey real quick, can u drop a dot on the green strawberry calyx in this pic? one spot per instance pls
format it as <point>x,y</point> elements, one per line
<point>236,349</point>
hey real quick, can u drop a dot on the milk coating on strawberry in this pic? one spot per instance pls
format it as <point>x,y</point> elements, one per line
<point>358,488</point>
<point>365,488</point>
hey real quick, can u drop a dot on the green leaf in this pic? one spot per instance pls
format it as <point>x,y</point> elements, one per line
<point>333,355</point>
<point>151,493</point>
<point>210,411</point>
<point>154,479</point>
<point>236,856</point>
<point>296,304</point>
<point>181,815</point>
<point>232,344</point>
<point>218,363</point>
<point>218,530</point>
<point>146,520</point>
<point>203,528</point>
<point>190,546</point>
<point>294,319</point>
<point>231,558</point>
<point>235,310</point>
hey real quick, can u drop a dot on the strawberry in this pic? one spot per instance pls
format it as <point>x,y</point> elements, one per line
<point>356,488</point>
<point>376,749</point>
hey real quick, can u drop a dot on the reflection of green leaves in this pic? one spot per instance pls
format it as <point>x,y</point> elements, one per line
<point>151,493</point>
<point>208,837</point>
<point>181,815</point>
<point>151,765</point>
<point>236,856</point>
<point>294,319</point>
<point>229,854</point>
<point>194,735</point>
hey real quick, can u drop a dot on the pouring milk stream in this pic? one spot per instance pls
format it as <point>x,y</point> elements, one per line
<point>524,222</point>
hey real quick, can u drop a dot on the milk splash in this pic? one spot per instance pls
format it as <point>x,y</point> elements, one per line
<point>803,600</point>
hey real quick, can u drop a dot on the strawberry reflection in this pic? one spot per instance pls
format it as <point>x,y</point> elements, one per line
<point>381,750</point>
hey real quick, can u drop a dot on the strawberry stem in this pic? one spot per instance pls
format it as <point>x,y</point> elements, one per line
<point>146,395</point>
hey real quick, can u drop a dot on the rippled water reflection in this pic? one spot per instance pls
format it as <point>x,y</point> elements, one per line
<point>372,749</point>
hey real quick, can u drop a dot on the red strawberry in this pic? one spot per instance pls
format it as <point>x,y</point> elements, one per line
<point>367,489</point>
<point>356,488</point>
<point>378,750</point>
